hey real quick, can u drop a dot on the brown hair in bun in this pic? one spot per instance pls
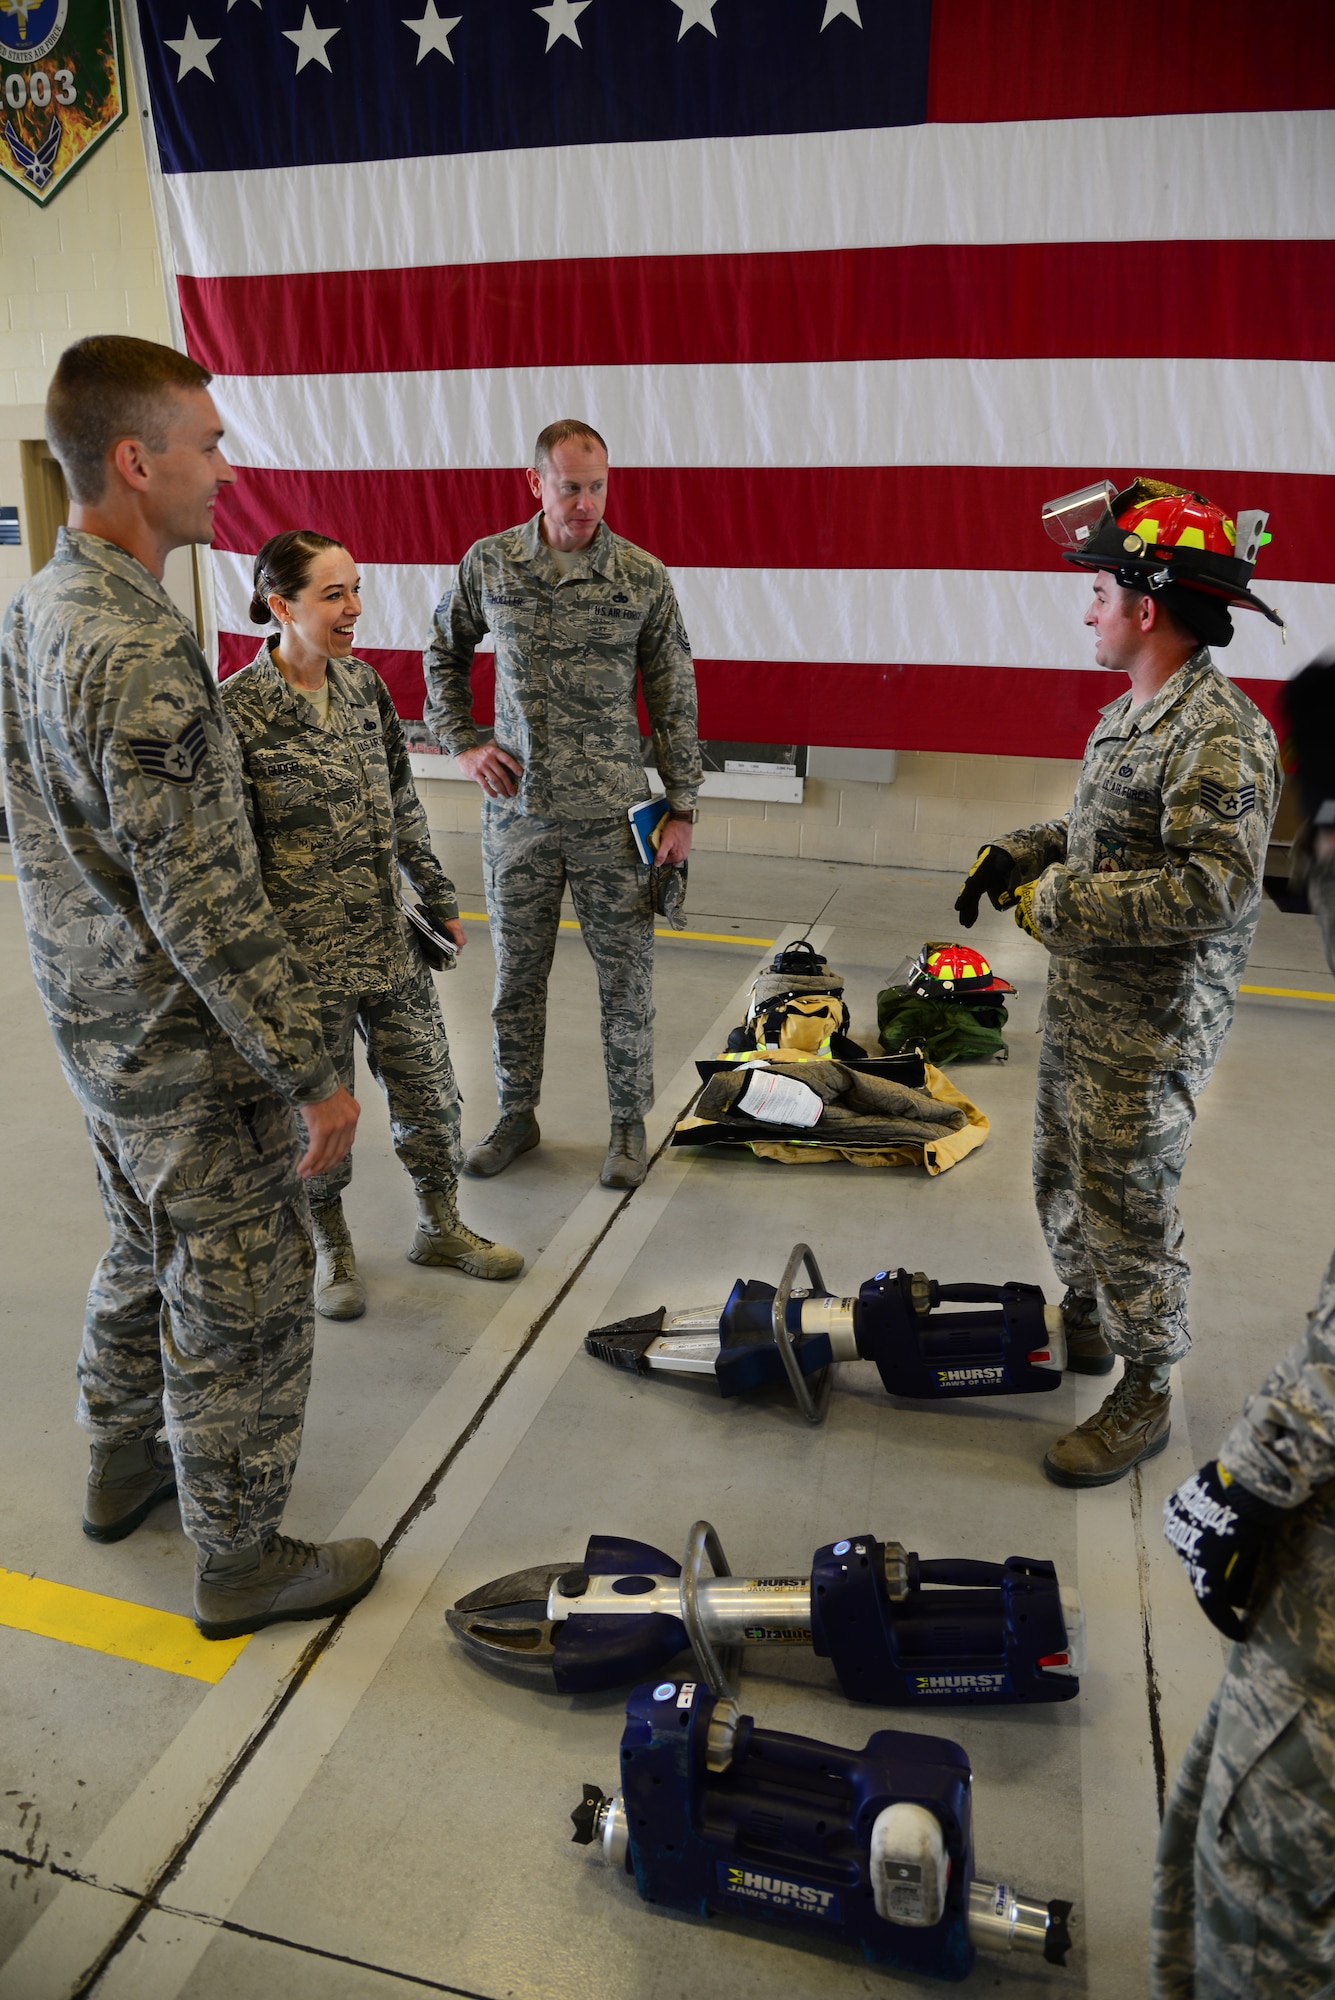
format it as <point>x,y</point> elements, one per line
<point>283,568</point>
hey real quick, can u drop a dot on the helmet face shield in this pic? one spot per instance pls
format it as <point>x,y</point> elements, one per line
<point>1154,536</point>
<point>1071,520</point>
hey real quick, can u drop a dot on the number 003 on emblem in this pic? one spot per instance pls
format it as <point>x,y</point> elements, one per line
<point>60,78</point>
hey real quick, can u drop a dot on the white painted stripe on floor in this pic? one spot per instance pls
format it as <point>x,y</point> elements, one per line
<point>1116,1758</point>
<point>1268,174</point>
<point>139,1840</point>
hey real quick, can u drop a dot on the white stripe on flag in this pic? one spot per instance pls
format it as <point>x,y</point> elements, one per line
<point>1244,175</point>
<point>1249,415</point>
<point>1005,618</point>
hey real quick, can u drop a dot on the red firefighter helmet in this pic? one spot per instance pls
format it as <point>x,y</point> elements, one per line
<point>1153,535</point>
<point>954,972</point>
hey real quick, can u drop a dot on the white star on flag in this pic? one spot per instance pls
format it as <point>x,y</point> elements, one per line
<point>433,31</point>
<point>696,14</point>
<point>561,17</point>
<point>834,8</point>
<point>193,51</point>
<point>311,42</point>
<point>254,3</point>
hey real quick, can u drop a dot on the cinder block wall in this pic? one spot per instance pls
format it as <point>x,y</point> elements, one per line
<point>87,263</point>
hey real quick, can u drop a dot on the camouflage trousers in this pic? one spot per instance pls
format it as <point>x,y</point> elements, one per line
<point>1110,1141</point>
<point>1244,1888</point>
<point>408,1054</point>
<point>526,863</point>
<point>200,1314</point>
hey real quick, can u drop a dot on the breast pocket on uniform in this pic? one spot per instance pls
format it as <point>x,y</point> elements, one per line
<point>509,615</point>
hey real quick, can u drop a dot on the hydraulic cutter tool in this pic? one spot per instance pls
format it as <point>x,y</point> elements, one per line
<point>899,1630</point>
<point>871,1847</point>
<point>1007,1341</point>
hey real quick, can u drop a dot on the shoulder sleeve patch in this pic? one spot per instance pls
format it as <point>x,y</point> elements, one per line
<point>177,761</point>
<point>1229,801</point>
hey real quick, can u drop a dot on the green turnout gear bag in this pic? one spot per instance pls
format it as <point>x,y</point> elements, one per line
<point>944,1032</point>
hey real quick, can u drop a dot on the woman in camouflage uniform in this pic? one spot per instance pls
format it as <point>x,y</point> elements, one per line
<point>336,818</point>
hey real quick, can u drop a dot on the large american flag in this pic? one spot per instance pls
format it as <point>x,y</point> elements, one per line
<point>850,286</point>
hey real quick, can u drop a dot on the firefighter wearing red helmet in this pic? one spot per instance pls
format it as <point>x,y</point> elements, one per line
<point>1146,894</point>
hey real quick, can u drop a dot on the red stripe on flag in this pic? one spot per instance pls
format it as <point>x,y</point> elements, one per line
<point>822,517</point>
<point>1013,59</point>
<point>996,711</point>
<point>1254,301</point>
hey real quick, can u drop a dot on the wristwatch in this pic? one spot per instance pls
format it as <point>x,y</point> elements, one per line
<point>689,813</point>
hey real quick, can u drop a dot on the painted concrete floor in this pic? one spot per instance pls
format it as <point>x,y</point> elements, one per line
<point>368,1812</point>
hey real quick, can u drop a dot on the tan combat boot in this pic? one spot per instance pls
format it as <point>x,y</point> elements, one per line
<point>443,1239</point>
<point>514,1132</point>
<point>252,1588</point>
<point>339,1292</point>
<point>627,1160</point>
<point>1131,1426</point>
<point>126,1481</point>
<point>1087,1350</point>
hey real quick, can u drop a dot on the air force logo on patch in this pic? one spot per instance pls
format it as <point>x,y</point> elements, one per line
<point>178,762</point>
<point>1230,802</point>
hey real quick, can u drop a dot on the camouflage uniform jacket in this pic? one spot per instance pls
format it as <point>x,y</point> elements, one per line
<point>1150,887</point>
<point>1282,1448</point>
<point>336,816</point>
<point>164,973</point>
<point>569,652</point>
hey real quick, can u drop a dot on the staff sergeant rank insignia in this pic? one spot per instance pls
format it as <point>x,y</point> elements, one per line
<point>178,762</point>
<point>1229,802</point>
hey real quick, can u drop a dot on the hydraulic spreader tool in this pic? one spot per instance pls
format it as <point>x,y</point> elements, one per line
<point>1007,1342</point>
<point>899,1630</point>
<point>872,1847</point>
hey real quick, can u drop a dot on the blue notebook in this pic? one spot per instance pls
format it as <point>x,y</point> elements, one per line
<point>646,820</point>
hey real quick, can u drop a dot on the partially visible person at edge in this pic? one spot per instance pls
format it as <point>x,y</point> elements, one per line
<point>582,622</point>
<point>329,790</point>
<point>1244,1890</point>
<point>1146,894</point>
<point>186,1025</point>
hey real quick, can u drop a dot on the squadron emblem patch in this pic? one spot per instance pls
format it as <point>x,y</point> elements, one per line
<point>1109,854</point>
<point>1229,801</point>
<point>179,761</point>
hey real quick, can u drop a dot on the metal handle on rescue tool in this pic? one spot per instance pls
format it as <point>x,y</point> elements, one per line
<point>813,1408</point>
<point>721,1670</point>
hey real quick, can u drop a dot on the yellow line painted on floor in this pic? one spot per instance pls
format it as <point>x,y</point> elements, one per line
<point>700,937</point>
<point>109,1625</point>
<point>1286,993</point>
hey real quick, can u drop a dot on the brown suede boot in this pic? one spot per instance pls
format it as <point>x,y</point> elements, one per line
<point>1131,1426</point>
<point>1087,1351</point>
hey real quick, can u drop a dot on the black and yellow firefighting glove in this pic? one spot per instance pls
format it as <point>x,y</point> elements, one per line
<point>990,876</point>
<point>1024,910</point>
<point>1221,1531</point>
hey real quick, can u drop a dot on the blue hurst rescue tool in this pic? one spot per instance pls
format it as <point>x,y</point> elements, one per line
<point>1006,1343</point>
<point>899,1631</point>
<point>869,1847</point>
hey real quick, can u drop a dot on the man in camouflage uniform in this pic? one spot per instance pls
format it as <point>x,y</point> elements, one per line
<point>1147,895</point>
<point>581,619</point>
<point>1244,1893</point>
<point>186,1027</point>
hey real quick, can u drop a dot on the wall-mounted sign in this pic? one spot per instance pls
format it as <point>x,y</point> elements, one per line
<point>61,88</point>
